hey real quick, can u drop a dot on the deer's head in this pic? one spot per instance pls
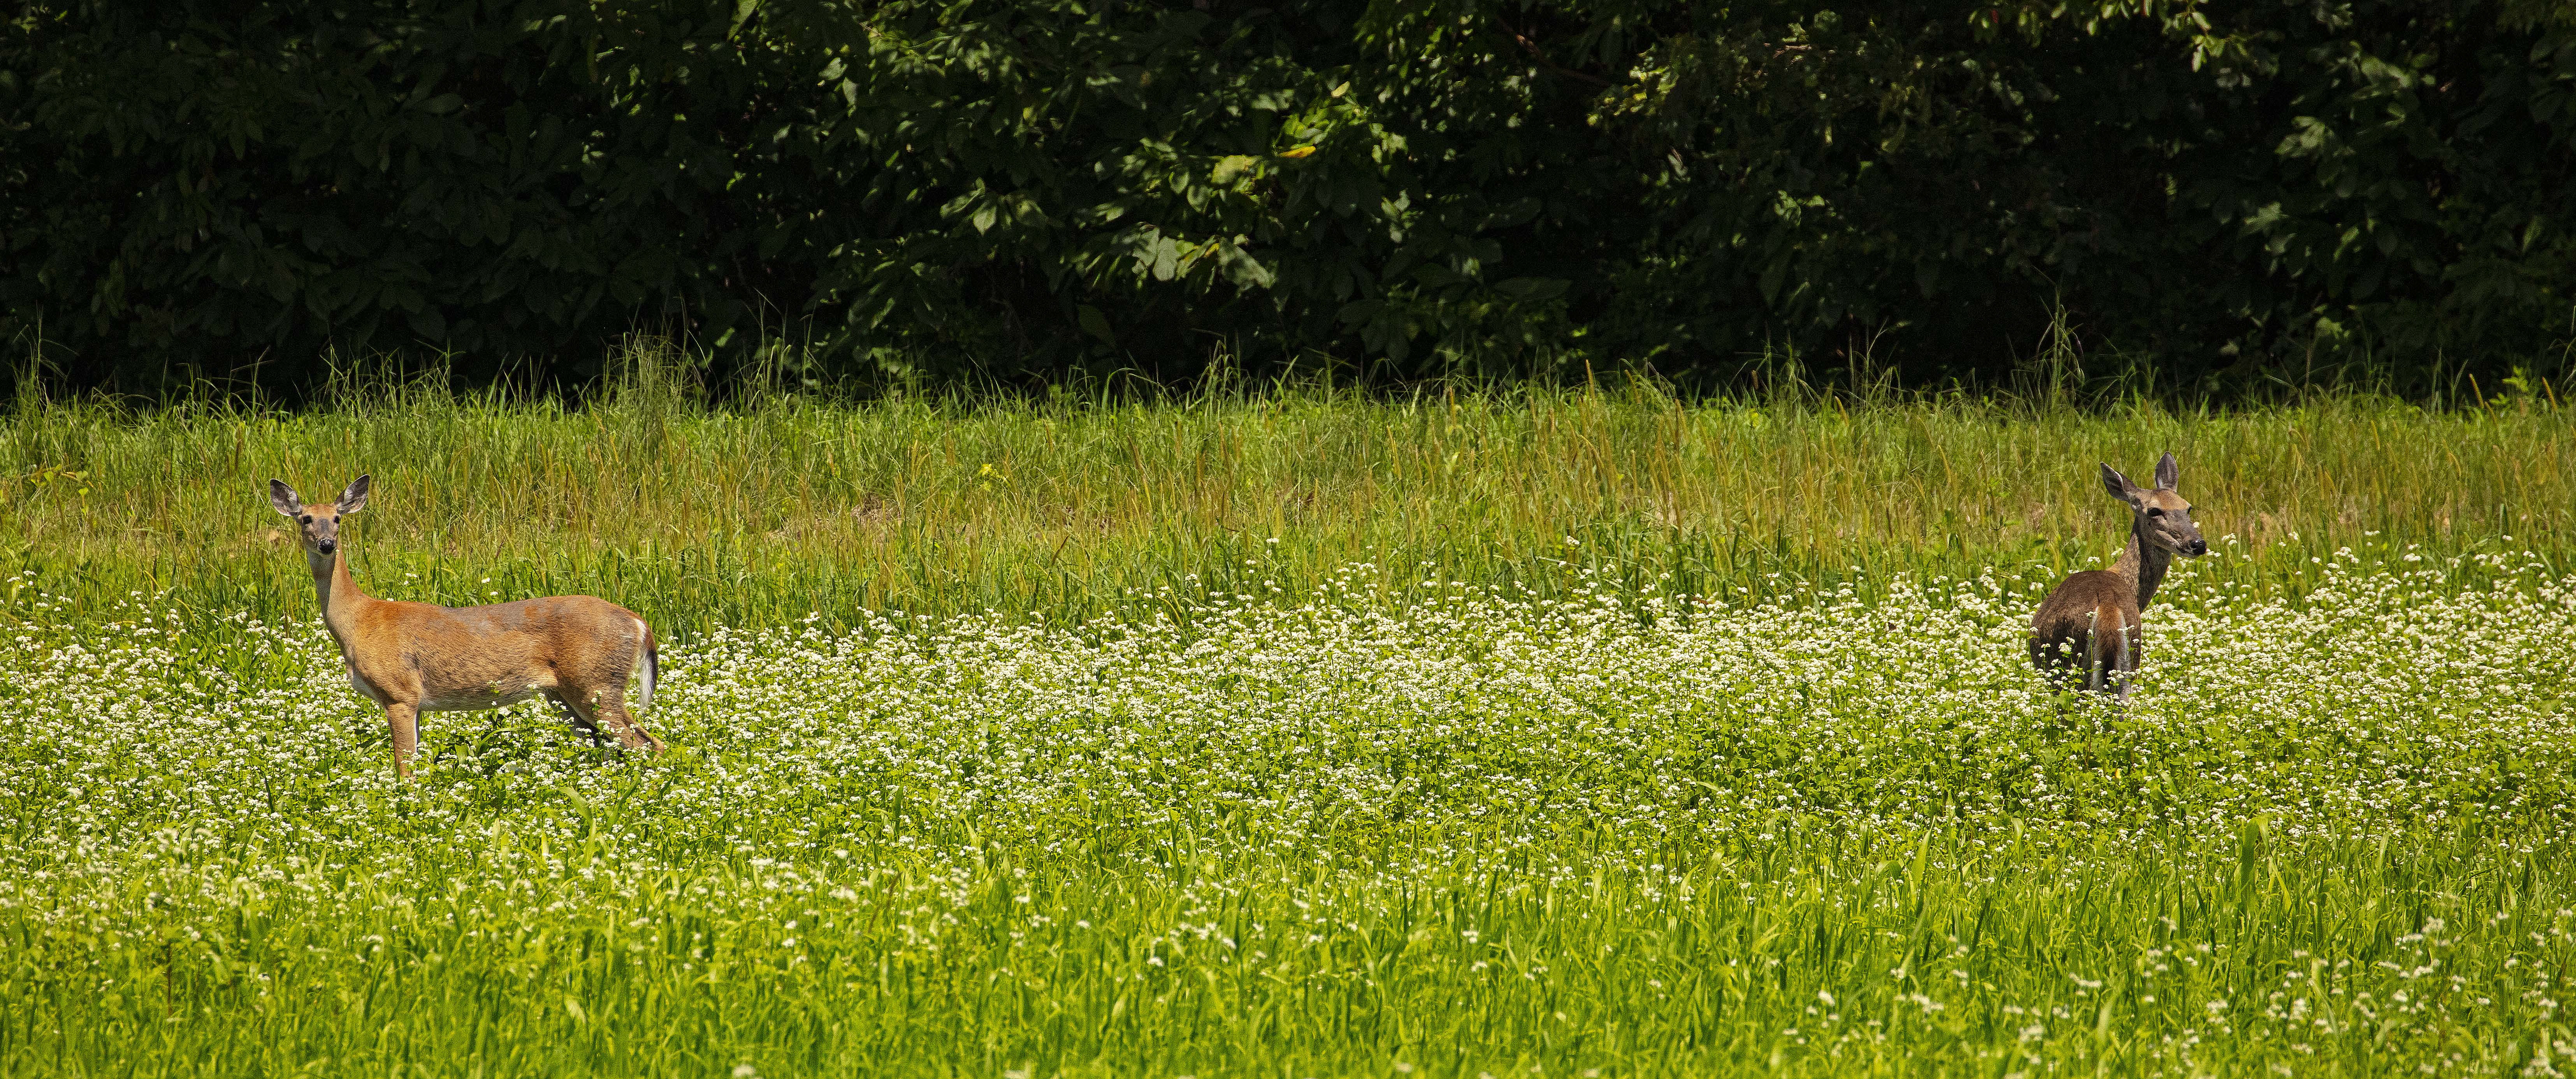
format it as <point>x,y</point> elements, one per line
<point>2161,518</point>
<point>319,522</point>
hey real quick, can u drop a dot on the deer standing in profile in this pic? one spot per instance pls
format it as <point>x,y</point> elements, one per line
<point>418,657</point>
<point>2092,617</point>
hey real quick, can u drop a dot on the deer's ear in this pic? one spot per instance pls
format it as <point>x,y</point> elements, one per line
<point>2168,472</point>
<point>2119,485</point>
<point>355,498</point>
<point>282,498</point>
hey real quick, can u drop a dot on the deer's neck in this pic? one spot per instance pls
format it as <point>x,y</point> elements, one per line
<point>2143,565</point>
<point>339,595</point>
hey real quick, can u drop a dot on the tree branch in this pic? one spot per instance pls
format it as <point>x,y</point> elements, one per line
<point>1541,57</point>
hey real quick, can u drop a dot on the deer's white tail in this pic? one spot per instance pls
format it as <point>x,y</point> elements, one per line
<point>652,665</point>
<point>2096,671</point>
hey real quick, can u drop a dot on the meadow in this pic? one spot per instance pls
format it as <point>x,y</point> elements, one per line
<point>1304,734</point>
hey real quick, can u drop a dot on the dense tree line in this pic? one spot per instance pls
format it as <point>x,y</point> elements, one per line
<point>2207,198</point>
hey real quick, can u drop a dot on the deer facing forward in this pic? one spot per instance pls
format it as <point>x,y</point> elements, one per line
<point>2092,618</point>
<point>417,657</point>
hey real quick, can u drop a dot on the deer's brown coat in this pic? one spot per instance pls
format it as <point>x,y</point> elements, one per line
<point>409,658</point>
<point>2090,625</point>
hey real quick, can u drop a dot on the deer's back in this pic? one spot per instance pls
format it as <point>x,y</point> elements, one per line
<point>555,618</point>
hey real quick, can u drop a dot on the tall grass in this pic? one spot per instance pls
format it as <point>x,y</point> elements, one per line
<point>787,506</point>
<point>1821,956</point>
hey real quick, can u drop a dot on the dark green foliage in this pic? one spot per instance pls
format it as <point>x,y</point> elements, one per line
<point>2198,198</point>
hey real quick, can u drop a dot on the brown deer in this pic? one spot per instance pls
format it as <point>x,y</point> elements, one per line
<point>417,657</point>
<point>2093,617</point>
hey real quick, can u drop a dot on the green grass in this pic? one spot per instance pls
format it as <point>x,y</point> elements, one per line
<point>1703,744</point>
<point>699,517</point>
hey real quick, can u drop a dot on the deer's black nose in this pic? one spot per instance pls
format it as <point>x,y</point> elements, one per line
<point>328,546</point>
<point>2200,546</point>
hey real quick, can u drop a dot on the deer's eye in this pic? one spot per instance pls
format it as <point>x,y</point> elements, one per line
<point>304,518</point>
<point>335,518</point>
<point>2155,511</point>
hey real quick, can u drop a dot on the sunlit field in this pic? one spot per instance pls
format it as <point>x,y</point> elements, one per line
<point>1337,805</point>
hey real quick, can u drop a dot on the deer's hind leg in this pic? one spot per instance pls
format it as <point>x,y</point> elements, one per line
<point>579,722</point>
<point>605,707</point>
<point>2059,660</point>
<point>2094,659</point>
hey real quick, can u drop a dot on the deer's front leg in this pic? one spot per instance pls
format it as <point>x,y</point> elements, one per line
<point>405,721</point>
